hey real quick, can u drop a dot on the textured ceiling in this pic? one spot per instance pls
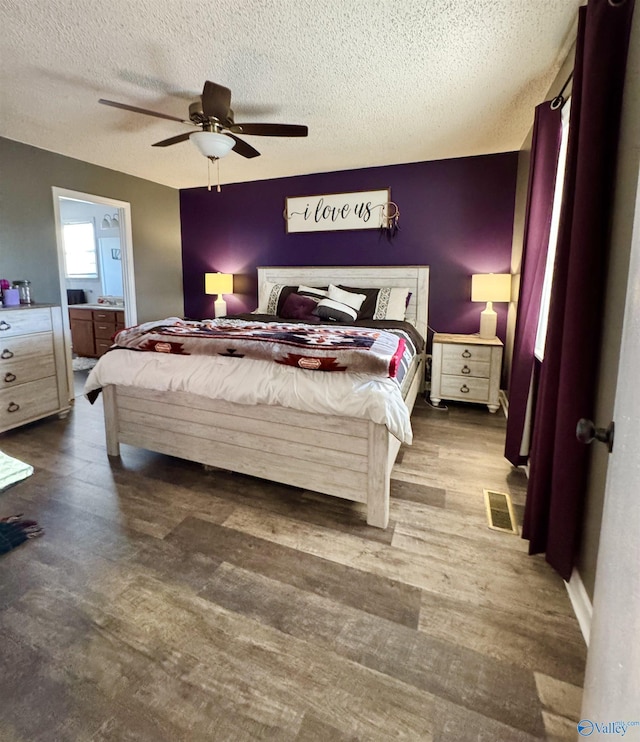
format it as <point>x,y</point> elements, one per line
<point>376,81</point>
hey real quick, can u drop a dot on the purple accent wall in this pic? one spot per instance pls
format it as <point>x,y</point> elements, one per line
<point>455,216</point>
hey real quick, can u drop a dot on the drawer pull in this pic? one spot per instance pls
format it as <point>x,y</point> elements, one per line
<point>4,325</point>
<point>8,377</point>
<point>465,389</point>
<point>465,369</point>
<point>6,353</point>
<point>466,354</point>
<point>13,407</point>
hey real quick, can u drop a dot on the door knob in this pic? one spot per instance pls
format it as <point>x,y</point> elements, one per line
<point>586,432</point>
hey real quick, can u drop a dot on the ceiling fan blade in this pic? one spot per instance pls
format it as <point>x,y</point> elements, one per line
<point>216,100</point>
<point>173,140</point>
<point>135,109</point>
<point>243,148</point>
<point>271,130</point>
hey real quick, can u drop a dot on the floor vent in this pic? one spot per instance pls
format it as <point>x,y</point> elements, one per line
<point>500,512</point>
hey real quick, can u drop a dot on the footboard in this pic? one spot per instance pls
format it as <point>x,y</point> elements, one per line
<point>341,456</point>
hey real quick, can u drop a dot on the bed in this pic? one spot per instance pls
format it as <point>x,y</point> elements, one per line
<point>343,456</point>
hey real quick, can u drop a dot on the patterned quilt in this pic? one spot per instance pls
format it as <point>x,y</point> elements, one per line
<point>311,347</point>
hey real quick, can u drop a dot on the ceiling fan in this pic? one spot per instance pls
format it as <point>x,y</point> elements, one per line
<point>213,114</point>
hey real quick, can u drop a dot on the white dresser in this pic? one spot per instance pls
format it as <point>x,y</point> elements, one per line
<point>466,368</point>
<point>33,373</point>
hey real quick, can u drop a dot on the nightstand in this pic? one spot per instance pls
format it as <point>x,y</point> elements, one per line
<point>466,368</point>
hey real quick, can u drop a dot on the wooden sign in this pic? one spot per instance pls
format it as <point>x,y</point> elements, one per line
<point>338,211</point>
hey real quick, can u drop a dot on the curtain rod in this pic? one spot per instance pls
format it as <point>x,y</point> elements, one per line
<point>559,100</point>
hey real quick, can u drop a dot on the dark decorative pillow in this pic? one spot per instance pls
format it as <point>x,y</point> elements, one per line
<point>314,292</point>
<point>368,306</point>
<point>296,306</point>
<point>274,298</point>
<point>336,311</point>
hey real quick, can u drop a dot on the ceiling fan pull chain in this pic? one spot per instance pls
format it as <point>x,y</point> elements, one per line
<point>218,164</point>
<point>208,174</point>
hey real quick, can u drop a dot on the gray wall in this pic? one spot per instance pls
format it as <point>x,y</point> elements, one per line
<point>27,228</point>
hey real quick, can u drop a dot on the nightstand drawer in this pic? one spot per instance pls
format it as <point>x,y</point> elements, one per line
<point>465,387</point>
<point>458,351</point>
<point>465,367</point>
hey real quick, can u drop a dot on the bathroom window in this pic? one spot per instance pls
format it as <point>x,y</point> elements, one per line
<point>80,253</point>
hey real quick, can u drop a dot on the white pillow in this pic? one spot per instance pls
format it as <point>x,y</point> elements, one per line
<point>312,292</point>
<point>263,297</point>
<point>268,298</point>
<point>346,297</point>
<point>392,303</point>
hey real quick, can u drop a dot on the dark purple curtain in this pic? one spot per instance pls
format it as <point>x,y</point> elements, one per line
<point>545,149</point>
<point>558,473</point>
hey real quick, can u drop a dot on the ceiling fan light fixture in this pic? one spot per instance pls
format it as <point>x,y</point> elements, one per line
<point>212,143</point>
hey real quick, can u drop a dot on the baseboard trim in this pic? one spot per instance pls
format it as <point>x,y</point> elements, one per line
<point>504,402</point>
<point>575,587</point>
<point>580,603</point>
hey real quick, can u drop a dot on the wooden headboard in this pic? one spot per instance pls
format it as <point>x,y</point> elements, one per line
<point>413,277</point>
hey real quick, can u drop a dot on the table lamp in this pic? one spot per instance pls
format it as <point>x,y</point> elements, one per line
<point>218,284</point>
<point>490,287</point>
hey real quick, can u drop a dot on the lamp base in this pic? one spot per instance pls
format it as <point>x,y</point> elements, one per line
<point>220,308</point>
<point>488,322</point>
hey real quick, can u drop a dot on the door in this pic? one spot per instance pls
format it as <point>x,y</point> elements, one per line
<point>122,256</point>
<point>612,691</point>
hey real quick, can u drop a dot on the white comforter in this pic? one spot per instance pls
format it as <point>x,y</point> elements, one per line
<point>252,382</point>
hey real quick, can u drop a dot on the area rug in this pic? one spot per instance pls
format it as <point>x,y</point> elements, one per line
<point>12,471</point>
<point>83,364</point>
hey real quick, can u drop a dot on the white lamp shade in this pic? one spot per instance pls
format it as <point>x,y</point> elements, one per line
<point>218,283</point>
<point>491,287</point>
<point>212,143</point>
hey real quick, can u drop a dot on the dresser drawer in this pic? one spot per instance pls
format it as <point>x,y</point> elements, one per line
<point>23,321</point>
<point>29,346</point>
<point>458,351</point>
<point>28,401</point>
<point>465,387</point>
<point>18,372</point>
<point>465,367</point>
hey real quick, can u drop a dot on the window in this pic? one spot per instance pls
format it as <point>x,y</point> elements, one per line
<point>80,256</point>
<point>541,333</point>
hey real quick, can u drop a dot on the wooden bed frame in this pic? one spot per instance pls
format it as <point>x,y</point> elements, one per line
<point>342,456</point>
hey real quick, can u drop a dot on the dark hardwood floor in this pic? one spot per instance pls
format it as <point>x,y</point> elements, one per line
<point>169,602</point>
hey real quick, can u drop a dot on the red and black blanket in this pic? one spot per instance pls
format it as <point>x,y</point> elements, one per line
<point>312,347</point>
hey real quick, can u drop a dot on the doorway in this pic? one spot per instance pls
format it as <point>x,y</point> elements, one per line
<point>95,263</point>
